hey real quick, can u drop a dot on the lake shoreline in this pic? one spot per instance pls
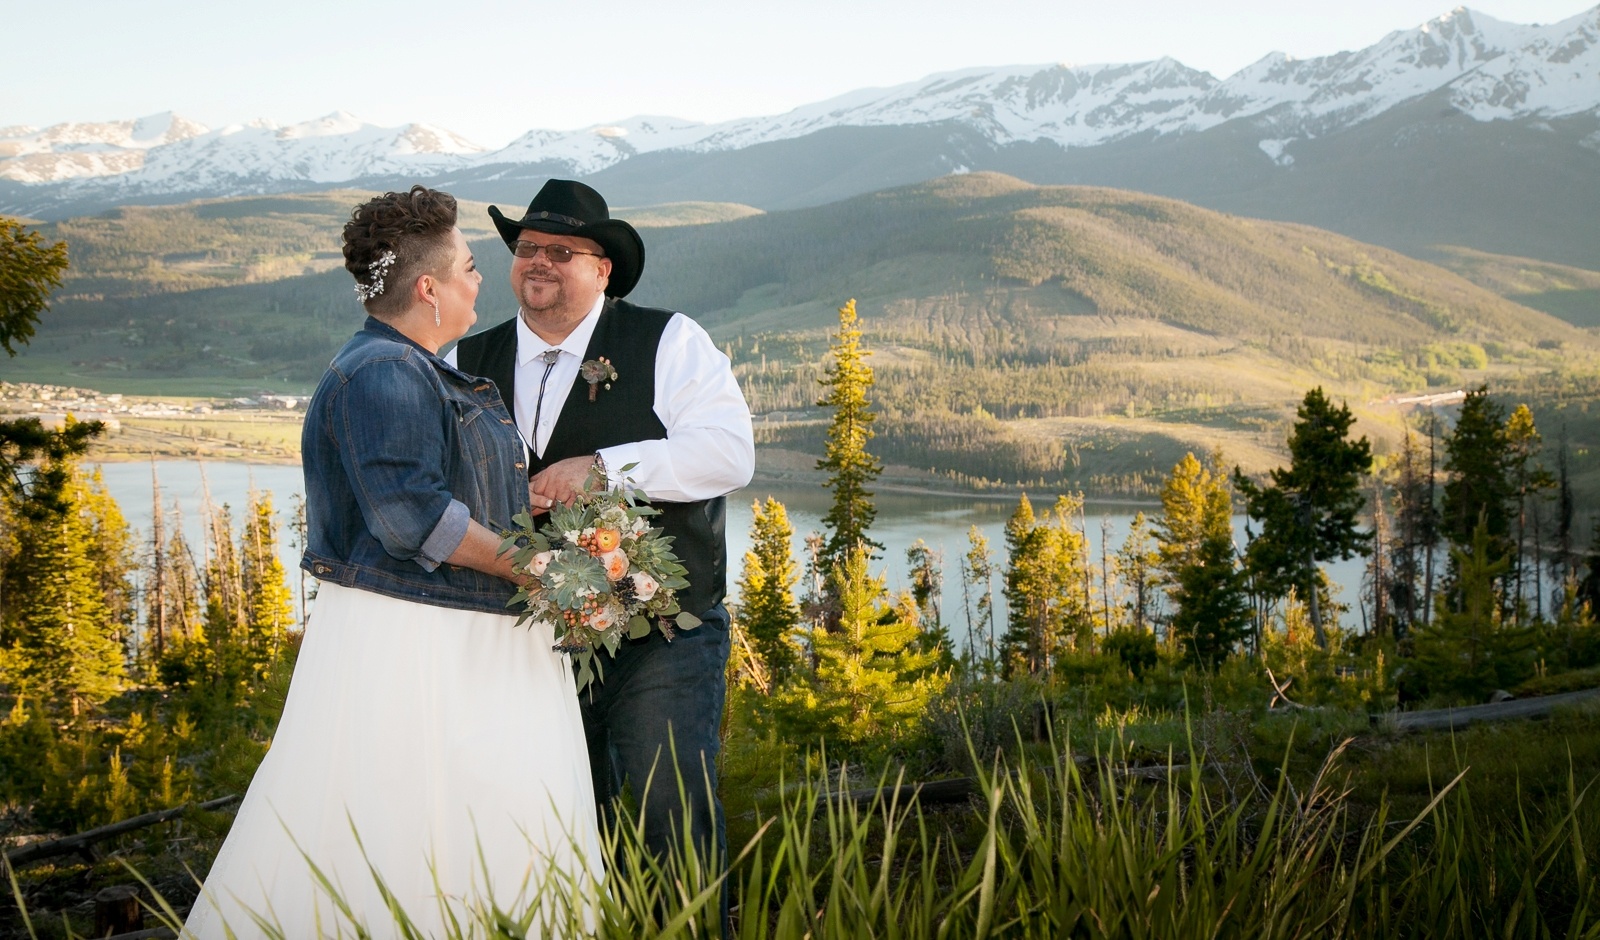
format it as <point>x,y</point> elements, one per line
<point>788,477</point>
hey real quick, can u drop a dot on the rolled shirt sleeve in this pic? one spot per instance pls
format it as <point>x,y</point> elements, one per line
<point>709,449</point>
<point>446,537</point>
<point>398,479</point>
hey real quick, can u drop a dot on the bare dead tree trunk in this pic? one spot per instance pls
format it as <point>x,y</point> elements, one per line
<point>1430,542</point>
<point>1105,572</point>
<point>1380,539</point>
<point>157,599</point>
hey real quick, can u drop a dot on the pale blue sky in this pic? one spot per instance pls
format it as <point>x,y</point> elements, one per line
<point>492,69</point>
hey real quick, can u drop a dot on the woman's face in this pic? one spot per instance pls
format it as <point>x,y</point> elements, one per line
<point>458,294</point>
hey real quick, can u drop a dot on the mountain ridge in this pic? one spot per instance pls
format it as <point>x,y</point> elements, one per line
<point>1491,70</point>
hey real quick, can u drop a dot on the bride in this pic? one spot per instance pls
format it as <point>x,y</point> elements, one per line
<point>430,751</point>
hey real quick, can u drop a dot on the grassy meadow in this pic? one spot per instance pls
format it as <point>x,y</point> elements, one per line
<point>1197,814</point>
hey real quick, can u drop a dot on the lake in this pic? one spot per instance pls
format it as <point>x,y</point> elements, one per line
<point>903,518</point>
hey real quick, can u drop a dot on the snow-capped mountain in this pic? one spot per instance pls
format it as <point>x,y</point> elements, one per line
<point>72,151</point>
<point>166,153</point>
<point>330,149</point>
<point>1486,69</point>
<point>1493,70</point>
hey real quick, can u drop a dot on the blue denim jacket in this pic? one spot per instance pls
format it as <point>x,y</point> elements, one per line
<point>399,449</point>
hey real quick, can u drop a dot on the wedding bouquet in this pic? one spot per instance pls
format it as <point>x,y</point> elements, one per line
<point>598,572</point>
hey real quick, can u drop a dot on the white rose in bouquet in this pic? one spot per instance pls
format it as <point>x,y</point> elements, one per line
<point>644,586</point>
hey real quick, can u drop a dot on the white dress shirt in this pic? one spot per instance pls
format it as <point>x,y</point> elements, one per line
<point>709,449</point>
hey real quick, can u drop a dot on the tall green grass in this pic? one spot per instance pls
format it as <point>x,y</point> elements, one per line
<point>1072,846</point>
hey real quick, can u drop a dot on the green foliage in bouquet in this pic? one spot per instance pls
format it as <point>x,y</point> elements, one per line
<point>598,572</point>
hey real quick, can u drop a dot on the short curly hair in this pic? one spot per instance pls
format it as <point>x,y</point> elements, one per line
<point>416,226</point>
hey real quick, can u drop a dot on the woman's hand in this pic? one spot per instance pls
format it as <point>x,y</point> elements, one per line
<point>561,482</point>
<point>538,502</point>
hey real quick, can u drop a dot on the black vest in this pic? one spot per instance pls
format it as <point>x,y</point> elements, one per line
<point>627,335</point>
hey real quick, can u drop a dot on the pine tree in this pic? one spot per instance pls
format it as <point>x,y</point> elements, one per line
<point>1472,649</point>
<point>767,608</point>
<point>270,605</point>
<point>226,620</point>
<point>1212,613</point>
<point>1565,564</point>
<point>62,643</point>
<point>34,460</point>
<point>1196,505</point>
<point>1194,546</point>
<point>1529,482</point>
<point>187,658</point>
<point>1047,596</point>
<point>1310,511</point>
<point>29,271</point>
<point>1021,647</point>
<point>850,468</point>
<point>111,552</point>
<point>926,585</point>
<point>1477,456</point>
<point>872,680</point>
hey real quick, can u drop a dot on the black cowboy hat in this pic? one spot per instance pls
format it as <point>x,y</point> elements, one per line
<point>567,207</point>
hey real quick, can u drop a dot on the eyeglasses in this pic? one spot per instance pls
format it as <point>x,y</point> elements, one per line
<point>558,254</point>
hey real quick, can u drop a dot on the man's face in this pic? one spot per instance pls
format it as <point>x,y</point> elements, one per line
<point>555,292</point>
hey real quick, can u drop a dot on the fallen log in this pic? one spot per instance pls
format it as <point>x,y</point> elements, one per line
<point>82,843</point>
<point>1447,719</point>
<point>960,789</point>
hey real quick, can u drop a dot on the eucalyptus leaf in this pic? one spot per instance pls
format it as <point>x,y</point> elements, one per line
<point>686,621</point>
<point>638,628</point>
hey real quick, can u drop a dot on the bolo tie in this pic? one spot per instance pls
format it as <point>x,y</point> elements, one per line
<point>549,356</point>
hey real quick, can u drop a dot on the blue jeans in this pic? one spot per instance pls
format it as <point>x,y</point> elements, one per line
<point>658,697</point>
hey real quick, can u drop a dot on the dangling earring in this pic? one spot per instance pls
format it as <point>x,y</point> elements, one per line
<point>435,313</point>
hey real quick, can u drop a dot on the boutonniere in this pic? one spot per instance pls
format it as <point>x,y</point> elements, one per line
<point>595,371</point>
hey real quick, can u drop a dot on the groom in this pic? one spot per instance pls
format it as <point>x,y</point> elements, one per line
<point>675,423</point>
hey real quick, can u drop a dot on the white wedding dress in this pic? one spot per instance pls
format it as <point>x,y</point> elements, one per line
<point>449,742</point>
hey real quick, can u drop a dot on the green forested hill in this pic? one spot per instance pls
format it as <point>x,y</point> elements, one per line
<point>1086,335</point>
<point>1055,336</point>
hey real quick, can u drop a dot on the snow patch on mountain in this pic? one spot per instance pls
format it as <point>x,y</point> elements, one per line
<point>1275,151</point>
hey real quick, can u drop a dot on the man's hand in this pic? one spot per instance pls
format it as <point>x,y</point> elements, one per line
<point>561,482</point>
